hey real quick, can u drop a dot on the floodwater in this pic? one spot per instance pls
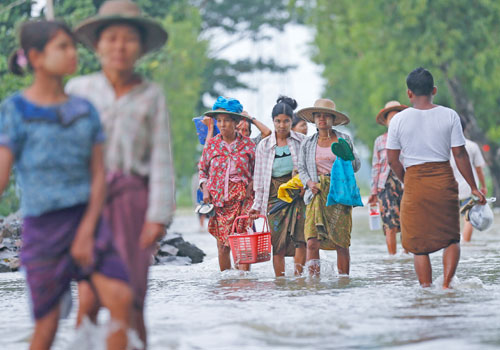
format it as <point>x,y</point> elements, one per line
<point>380,305</point>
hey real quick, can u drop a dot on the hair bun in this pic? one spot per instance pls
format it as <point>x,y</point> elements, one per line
<point>14,66</point>
<point>287,100</point>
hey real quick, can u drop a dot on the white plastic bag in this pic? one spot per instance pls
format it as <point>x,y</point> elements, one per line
<point>481,216</point>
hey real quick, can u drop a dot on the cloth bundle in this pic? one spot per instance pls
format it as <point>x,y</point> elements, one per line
<point>343,186</point>
<point>287,194</point>
<point>202,129</point>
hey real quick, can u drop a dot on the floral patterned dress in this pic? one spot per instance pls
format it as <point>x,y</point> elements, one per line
<point>227,170</point>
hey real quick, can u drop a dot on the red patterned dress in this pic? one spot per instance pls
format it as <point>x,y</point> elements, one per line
<point>227,169</point>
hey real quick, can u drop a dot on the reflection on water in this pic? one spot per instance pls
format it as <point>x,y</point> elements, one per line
<point>380,305</point>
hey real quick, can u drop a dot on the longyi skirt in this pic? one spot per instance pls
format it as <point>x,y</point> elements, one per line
<point>429,209</point>
<point>390,203</point>
<point>126,210</point>
<point>287,224</point>
<point>331,225</point>
<point>46,256</point>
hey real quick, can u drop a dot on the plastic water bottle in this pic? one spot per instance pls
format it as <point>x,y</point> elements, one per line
<point>374,217</point>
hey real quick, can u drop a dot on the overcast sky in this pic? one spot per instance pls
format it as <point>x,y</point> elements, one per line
<point>288,48</point>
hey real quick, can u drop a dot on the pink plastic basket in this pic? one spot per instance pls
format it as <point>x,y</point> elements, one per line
<point>250,248</point>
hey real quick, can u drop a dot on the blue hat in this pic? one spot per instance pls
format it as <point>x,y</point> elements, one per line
<point>229,106</point>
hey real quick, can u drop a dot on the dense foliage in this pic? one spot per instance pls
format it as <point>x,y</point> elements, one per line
<point>368,47</point>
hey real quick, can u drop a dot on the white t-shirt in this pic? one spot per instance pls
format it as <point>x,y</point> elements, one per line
<point>476,160</point>
<point>425,135</point>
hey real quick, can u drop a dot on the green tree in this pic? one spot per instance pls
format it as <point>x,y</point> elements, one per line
<point>12,12</point>
<point>9,200</point>
<point>367,49</point>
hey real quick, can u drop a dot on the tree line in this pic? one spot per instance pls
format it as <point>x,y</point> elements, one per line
<point>368,47</point>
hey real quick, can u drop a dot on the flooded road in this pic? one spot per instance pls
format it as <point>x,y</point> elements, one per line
<point>379,306</point>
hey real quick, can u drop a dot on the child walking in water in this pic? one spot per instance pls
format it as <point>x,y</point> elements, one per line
<point>55,143</point>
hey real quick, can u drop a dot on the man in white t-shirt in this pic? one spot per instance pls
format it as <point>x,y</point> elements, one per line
<point>424,135</point>
<point>464,194</point>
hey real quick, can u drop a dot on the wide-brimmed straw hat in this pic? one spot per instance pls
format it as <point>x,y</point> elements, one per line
<point>390,106</point>
<point>323,105</point>
<point>121,11</point>
<point>215,112</point>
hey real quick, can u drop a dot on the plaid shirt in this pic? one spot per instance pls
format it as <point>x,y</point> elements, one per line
<point>380,164</point>
<point>264,159</point>
<point>307,161</point>
<point>138,142</point>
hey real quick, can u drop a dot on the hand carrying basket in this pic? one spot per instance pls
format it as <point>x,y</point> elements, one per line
<point>250,248</point>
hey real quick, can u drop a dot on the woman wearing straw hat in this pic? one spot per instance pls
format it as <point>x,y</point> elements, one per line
<point>329,227</point>
<point>226,171</point>
<point>386,187</point>
<point>138,153</point>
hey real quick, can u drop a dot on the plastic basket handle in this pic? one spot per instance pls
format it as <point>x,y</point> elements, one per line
<point>266,223</point>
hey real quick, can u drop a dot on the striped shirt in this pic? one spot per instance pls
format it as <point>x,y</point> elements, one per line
<point>264,159</point>
<point>137,128</point>
<point>307,161</point>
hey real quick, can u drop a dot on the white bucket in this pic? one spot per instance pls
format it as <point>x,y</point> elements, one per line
<point>374,217</point>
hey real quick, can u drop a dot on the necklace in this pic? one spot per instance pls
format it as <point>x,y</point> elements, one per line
<point>325,138</point>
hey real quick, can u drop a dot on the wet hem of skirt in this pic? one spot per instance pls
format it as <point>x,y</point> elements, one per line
<point>389,228</point>
<point>325,240</point>
<point>46,309</point>
<point>453,241</point>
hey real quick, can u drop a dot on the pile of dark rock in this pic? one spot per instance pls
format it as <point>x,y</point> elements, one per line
<point>173,249</point>
<point>10,243</point>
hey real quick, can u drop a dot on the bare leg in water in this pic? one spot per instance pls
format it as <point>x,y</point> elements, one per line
<point>225,259</point>
<point>116,296</point>
<point>45,330</point>
<point>312,256</point>
<point>451,256</point>
<point>224,256</point>
<point>88,305</point>
<point>390,240</point>
<point>467,233</point>
<point>423,269</point>
<point>299,259</point>
<point>343,260</point>
<point>279,263</point>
